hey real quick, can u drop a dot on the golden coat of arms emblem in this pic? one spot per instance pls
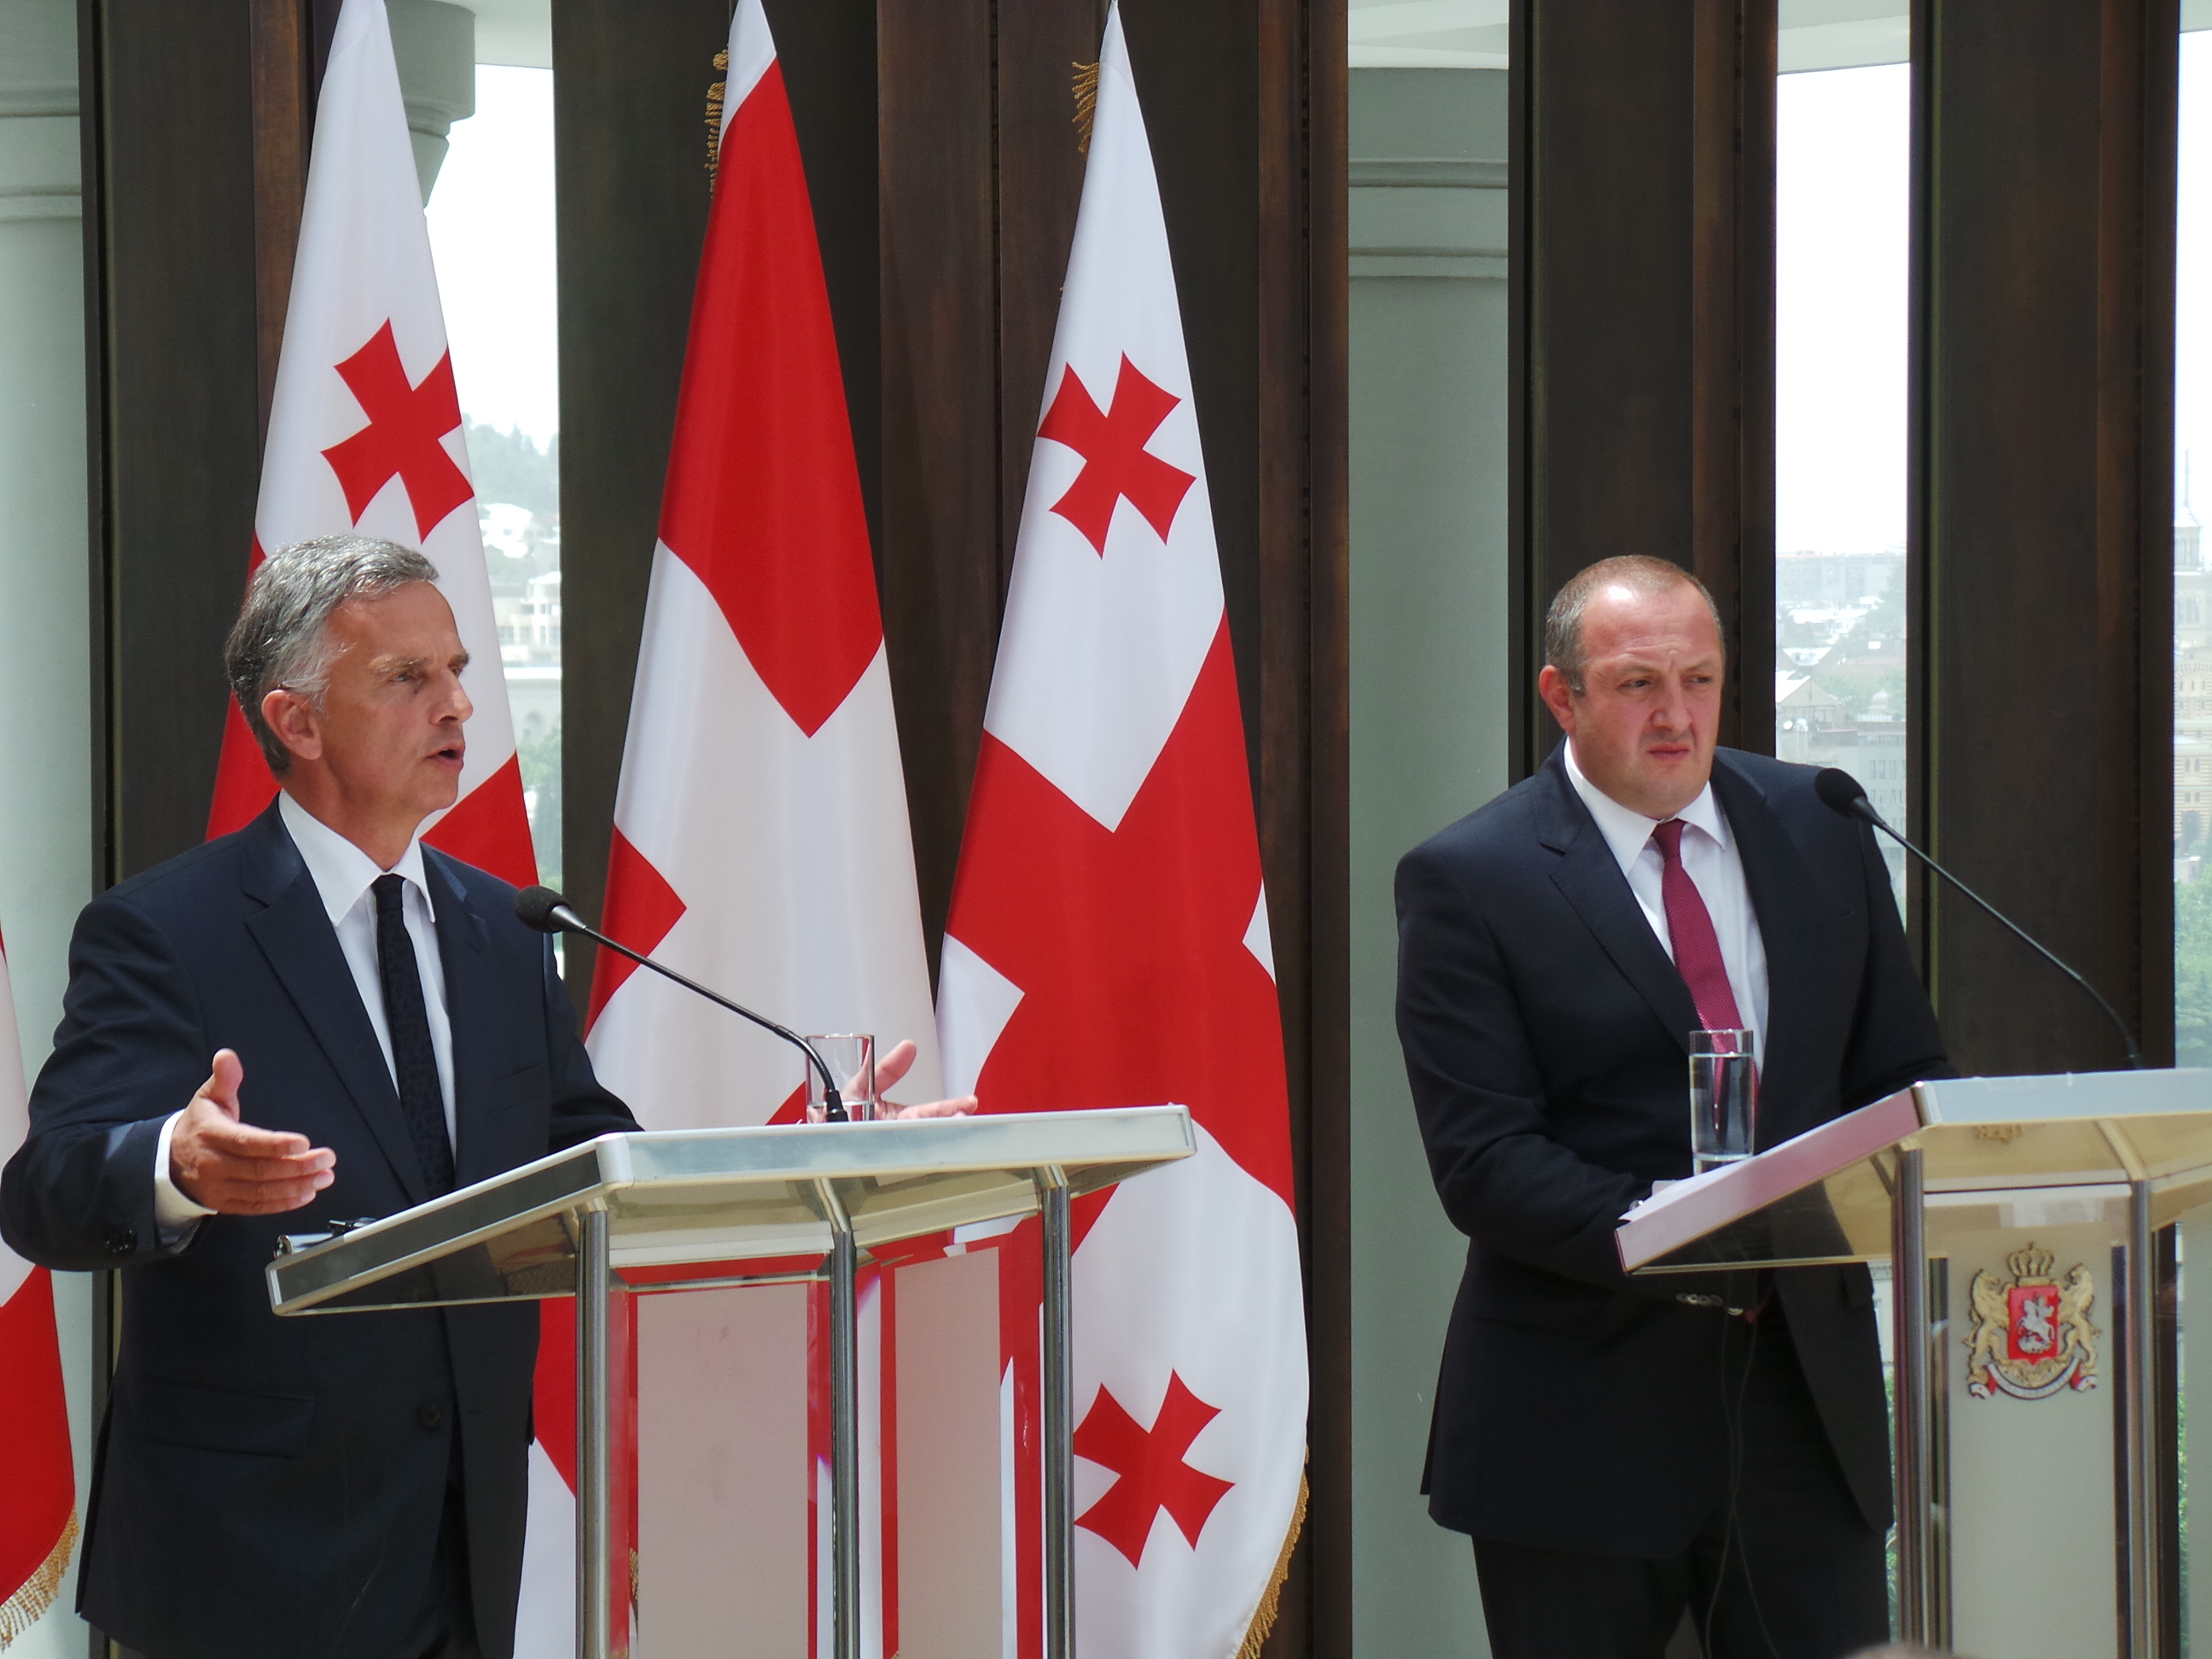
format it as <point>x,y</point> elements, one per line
<point>2032,1335</point>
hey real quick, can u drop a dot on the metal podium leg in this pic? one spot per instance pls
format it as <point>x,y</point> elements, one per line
<point>593,1286</point>
<point>1916,1450</point>
<point>1059,1423</point>
<point>844,1426</point>
<point>2137,1395</point>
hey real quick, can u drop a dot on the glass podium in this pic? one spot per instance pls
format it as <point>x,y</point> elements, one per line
<point>574,1222</point>
<point>1980,1169</point>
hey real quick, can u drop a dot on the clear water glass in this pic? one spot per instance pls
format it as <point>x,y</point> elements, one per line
<point>851,1059</point>
<point>1723,1095</point>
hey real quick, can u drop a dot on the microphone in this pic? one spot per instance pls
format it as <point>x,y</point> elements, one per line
<point>1841,793</point>
<point>546,910</point>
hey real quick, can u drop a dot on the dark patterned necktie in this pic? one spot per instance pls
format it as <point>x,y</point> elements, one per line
<point>414,1060</point>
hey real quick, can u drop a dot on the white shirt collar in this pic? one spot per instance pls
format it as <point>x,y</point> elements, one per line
<point>342,871</point>
<point>1626,830</point>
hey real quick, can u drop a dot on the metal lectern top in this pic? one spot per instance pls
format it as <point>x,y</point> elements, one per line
<point>1903,1181</point>
<point>679,1196</point>
<point>1996,1152</point>
<point>572,1224</point>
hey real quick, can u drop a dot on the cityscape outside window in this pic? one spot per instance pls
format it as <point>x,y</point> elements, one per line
<point>491,233</point>
<point>1842,275</point>
<point>2192,580</point>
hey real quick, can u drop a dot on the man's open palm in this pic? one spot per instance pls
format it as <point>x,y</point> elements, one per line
<point>233,1168</point>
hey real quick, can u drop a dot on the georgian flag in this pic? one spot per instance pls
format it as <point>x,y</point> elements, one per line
<point>760,847</point>
<point>38,1498</point>
<point>1108,945</point>
<point>365,427</point>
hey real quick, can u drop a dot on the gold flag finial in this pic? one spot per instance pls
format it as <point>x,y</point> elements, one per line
<point>714,96</point>
<point>1086,104</point>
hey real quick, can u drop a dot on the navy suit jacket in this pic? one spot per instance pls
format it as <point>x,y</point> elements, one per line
<point>1545,1031</point>
<point>272,1488</point>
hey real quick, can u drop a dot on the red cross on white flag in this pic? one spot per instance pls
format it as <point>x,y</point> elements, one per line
<point>365,428</point>
<point>1108,946</point>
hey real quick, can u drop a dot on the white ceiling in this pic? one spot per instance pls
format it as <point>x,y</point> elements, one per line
<point>1816,35</point>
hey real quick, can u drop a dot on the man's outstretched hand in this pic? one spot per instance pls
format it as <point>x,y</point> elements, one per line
<point>235,1169</point>
<point>896,1065</point>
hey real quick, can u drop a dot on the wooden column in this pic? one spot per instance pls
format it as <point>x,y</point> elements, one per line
<point>2042,519</point>
<point>1642,334</point>
<point>175,297</point>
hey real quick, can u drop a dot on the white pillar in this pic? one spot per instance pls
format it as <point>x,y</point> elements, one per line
<point>435,46</point>
<point>45,624</point>
<point>1430,630</point>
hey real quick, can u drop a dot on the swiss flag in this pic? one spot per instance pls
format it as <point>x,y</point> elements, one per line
<point>760,847</point>
<point>1107,946</point>
<point>365,428</point>
<point>38,1498</point>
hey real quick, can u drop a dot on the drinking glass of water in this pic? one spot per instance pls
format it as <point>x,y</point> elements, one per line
<point>1723,1094</point>
<point>852,1060</point>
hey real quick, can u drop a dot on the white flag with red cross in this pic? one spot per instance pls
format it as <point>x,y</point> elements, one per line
<point>760,846</point>
<point>1108,945</point>
<point>365,427</point>
<point>38,1498</point>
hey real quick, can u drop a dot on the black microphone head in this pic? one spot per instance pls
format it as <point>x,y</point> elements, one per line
<point>1839,792</point>
<point>540,908</point>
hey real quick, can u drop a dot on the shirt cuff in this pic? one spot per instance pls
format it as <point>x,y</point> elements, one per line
<point>174,1215</point>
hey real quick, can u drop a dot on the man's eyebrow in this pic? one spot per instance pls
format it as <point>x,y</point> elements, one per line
<point>393,664</point>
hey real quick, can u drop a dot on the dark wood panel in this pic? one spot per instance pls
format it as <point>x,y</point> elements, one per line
<point>1041,43</point>
<point>174,339</point>
<point>1326,1141</point>
<point>1640,364</point>
<point>630,99</point>
<point>827,51</point>
<point>2044,156</point>
<point>942,579</point>
<point>1196,70</point>
<point>281,42</point>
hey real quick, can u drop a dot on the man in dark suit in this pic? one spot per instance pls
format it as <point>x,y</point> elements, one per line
<point>382,1030</point>
<point>1622,1450</point>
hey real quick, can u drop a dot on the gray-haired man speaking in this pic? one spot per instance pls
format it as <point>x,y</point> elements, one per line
<point>315,1018</point>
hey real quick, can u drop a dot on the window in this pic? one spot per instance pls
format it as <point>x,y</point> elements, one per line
<point>491,230</point>
<point>2192,582</point>
<point>1843,185</point>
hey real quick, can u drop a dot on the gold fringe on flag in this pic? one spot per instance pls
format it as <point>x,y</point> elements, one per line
<point>714,96</point>
<point>1086,104</point>
<point>1271,1604</point>
<point>36,1594</point>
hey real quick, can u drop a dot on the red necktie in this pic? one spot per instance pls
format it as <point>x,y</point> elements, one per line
<point>1697,947</point>
<point>1698,955</point>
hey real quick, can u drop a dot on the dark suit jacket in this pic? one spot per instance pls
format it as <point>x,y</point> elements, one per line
<point>271,1488</point>
<point>1545,1031</point>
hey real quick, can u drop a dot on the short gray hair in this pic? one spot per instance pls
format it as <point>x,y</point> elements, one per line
<point>282,637</point>
<point>1639,573</point>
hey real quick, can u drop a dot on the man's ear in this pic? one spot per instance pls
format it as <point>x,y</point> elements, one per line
<point>1551,687</point>
<point>294,721</point>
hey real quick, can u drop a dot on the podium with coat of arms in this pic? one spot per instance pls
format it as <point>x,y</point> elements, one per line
<point>2034,1229</point>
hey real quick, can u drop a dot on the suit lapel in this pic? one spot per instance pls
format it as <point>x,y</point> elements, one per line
<point>294,932</point>
<point>1588,877</point>
<point>462,948</point>
<point>1793,925</point>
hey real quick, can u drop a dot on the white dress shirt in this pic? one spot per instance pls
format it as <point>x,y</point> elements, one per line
<point>1713,863</point>
<point>343,874</point>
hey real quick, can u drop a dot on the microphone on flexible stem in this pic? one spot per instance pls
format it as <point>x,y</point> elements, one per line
<point>543,908</point>
<point>1841,793</point>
